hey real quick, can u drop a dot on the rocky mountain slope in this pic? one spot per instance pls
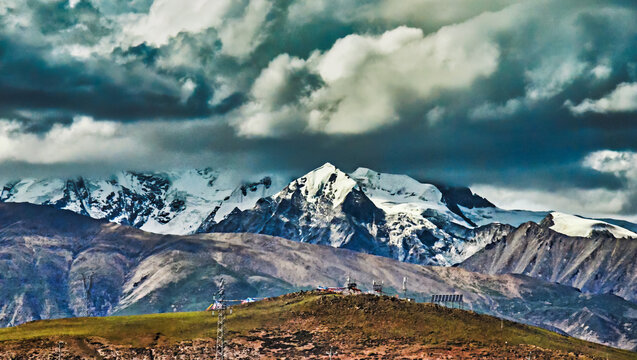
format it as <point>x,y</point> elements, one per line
<point>303,325</point>
<point>596,261</point>
<point>58,264</point>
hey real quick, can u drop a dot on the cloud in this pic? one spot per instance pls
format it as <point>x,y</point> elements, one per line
<point>242,35</point>
<point>82,141</point>
<point>488,110</point>
<point>622,99</point>
<point>457,91</point>
<point>277,97</point>
<point>435,115</point>
<point>240,25</point>
<point>32,79</point>
<point>620,163</point>
<point>167,18</point>
<point>365,80</point>
<point>596,201</point>
<point>623,165</point>
<point>585,202</point>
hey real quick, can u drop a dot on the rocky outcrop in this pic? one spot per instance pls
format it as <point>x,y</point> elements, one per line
<point>599,264</point>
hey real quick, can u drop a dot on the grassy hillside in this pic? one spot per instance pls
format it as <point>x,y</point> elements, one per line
<point>305,325</point>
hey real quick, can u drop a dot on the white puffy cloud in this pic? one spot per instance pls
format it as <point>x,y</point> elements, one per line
<point>73,3</point>
<point>239,35</point>
<point>167,18</point>
<point>242,35</point>
<point>601,71</point>
<point>270,112</point>
<point>83,140</point>
<point>553,75</point>
<point>366,79</point>
<point>622,99</point>
<point>619,163</point>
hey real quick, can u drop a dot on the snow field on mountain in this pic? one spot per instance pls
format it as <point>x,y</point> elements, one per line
<point>572,225</point>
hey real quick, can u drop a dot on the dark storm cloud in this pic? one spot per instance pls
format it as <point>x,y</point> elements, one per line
<point>54,17</point>
<point>499,118</point>
<point>28,80</point>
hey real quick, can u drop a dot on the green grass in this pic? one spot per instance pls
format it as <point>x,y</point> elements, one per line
<point>352,317</point>
<point>138,330</point>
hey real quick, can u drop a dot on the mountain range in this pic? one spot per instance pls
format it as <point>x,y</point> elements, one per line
<point>383,214</point>
<point>394,216</point>
<point>55,264</point>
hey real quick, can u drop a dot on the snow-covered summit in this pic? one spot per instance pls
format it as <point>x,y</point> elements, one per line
<point>402,194</point>
<point>383,214</point>
<point>326,183</point>
<point>572,225</point>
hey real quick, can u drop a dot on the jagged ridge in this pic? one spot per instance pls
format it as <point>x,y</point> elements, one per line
<point>597,264</point>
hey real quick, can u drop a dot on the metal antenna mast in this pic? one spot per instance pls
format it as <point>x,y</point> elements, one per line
<point>221,330</point>
<point>405,287</point>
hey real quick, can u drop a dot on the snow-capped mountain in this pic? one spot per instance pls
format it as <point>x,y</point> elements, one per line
<point>170,203</point>
<point>382,214</point>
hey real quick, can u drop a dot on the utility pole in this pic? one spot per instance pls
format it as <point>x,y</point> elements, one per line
<point>221,344</point>
<point>59,350</point>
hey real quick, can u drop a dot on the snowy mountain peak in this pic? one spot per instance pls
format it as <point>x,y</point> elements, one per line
<point>326,183</point>
<point>573,225</point>
<point>396,185</point>
<point>328,166</point>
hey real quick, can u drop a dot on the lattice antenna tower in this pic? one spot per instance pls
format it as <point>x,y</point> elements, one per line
<point>87,283</point>
<point>332,353</point>
<point>221,321</point>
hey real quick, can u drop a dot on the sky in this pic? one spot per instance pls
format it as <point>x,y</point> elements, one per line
<point>531,103</point>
